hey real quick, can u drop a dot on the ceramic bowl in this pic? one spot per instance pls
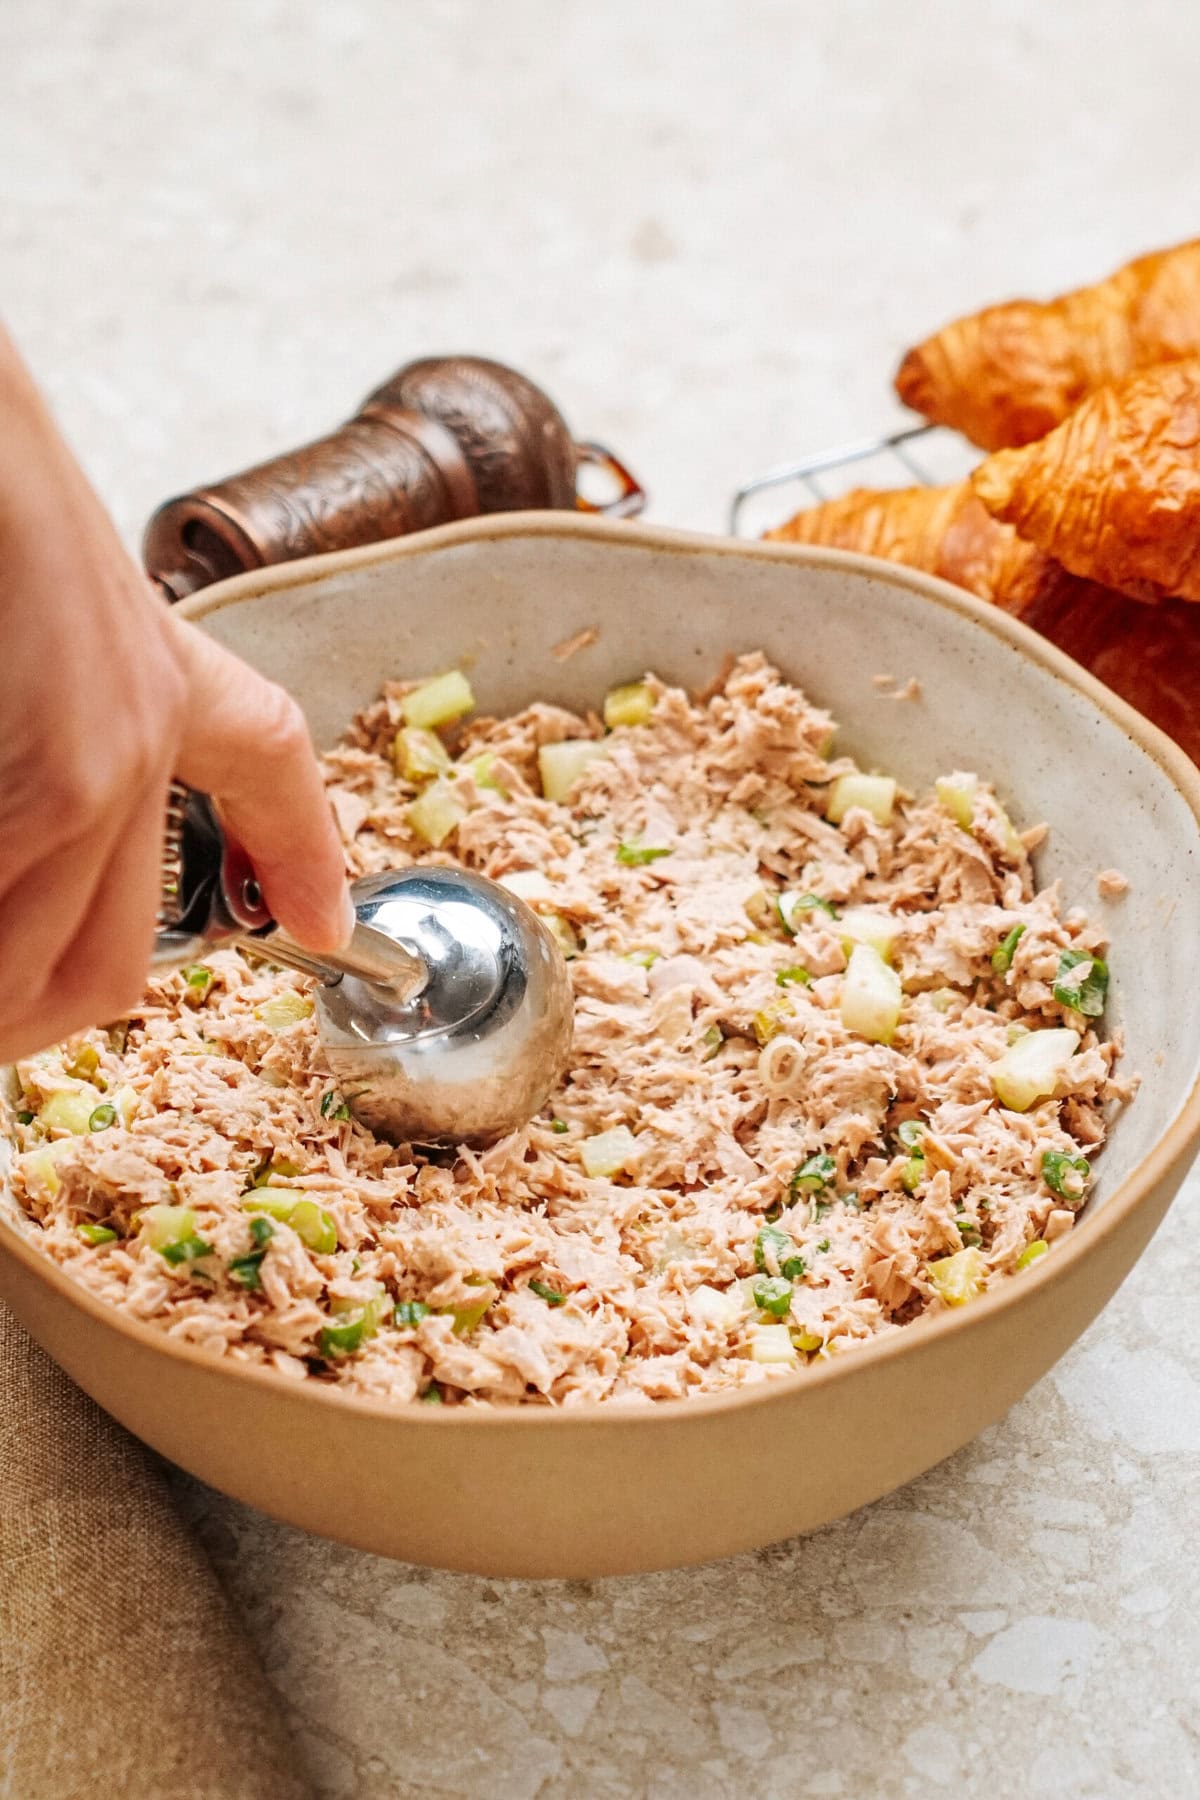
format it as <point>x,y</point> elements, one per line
<point>611,1489</point>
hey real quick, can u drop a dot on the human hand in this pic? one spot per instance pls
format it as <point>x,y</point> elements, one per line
<point>104,697</point>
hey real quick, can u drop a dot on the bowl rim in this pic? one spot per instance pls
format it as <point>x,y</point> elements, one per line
<point>1172,1152</point>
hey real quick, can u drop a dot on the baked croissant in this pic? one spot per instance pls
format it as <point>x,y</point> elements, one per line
<point>944,530</point>
<point>1009,374</point>
<point>1113,493</point>
<point>1149,654</point>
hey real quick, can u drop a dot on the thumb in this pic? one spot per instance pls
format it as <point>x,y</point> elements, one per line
<point>245,742</point>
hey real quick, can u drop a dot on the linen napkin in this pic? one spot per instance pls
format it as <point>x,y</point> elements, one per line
<point>123,1672</point>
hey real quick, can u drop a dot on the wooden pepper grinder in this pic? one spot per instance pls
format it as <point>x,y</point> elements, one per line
<point>446,438</point>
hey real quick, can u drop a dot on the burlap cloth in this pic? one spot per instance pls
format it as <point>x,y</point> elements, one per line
<point>123,1672</point>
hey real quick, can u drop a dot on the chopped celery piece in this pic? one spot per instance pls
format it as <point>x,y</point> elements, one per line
<point>869,925</point>
<point>466,1318</point>
<point>871,996</point>
<point>771,1344</point>
<point>352,1330</point>
<point>1033,1067</point>
<point>636,856</point>
<point>96,1234</point>
<point>564,935</point>
<point>812,1176</point>
<point>910,1132</point>
<point>1005,950</point>
<point>198,978</point>
<point>794,974</point>
<point>715,1306</point>
<point>284,1010</point>
<point>550,1295</point>
<point>1081,983</point>
<point>772,1294</point>
<point>481,770</point>
<point>437,701</point>
<point>956,795</point>
<point>436,812</point>
<point>1031,1253</point>
<point>807,1341</point>
<point>102,1117</point>
<point>419,754</point>
<point>70,1109</point>
<point>410,1312</point>
<point>630,704</point>
<point>38,1168</point>
<point>311,1223</point>
<point>960,1277</point>
<point>609,1152</point>
<point>1066,1176</point>
<point>712,1040</point>
<point>171,1230</point>
<point>83,1062</point>
<point>561,765</point>
<point>792,908</point>
<point>875,794</point>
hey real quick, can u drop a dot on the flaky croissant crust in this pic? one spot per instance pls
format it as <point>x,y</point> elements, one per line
<point>1007,375</point>
<point>1113,493</point>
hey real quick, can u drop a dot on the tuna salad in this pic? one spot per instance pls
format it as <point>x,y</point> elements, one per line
<point>839,1065</point>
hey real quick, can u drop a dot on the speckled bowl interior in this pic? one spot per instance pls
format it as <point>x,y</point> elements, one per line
<point>567,1490</point>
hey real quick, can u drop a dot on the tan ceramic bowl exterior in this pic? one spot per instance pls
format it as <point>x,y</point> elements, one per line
<point>609,1490</point>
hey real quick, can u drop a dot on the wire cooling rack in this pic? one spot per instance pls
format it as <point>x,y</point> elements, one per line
<point>922,454</point>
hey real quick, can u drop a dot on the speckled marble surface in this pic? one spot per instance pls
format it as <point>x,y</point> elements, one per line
<point>709,229</point>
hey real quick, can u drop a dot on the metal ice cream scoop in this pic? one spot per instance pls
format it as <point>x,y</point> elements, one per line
<point>445,1019</point>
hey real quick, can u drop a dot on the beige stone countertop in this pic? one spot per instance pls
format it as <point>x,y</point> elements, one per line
<point>709,228</point>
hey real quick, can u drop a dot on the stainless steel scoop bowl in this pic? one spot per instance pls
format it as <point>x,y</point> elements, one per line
<point>447,1017</point>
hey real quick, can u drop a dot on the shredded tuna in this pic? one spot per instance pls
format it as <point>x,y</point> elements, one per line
<point>770,1143</point>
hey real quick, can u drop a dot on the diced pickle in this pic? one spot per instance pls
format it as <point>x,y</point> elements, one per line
<point>438,701</point>
<point>875,794</point>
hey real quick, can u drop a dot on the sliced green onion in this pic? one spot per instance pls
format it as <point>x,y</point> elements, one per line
<point>333,1106</point>
<point>97,1234</point>
<point>791,905</point>
<point>245,1269</point>
<point>812,1176</point>
<point>645,959</point>
<point>712,1040</point>
<point>352,1330</point>
<point>1003,954</point>
<point>432,1395</point>
<point>198,977</point>
<point>550,1295</point>
<point>769,1240</point>
<point>102,1117</point>
<point>823,1246</point>
<point>795,973</point>
<point>24,1118</point>
<point>634,856</point>
<point>967,1229</point>
<point>559,1125</point>
<point>410,1312</point>
<point>912,1174</point>
<point>311,1223</point>
<point>1086,995</point>
<point>773,1295</point>
<point>1065,1175</point>
<point>1031,1252</point>
<point>910,1133</point>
